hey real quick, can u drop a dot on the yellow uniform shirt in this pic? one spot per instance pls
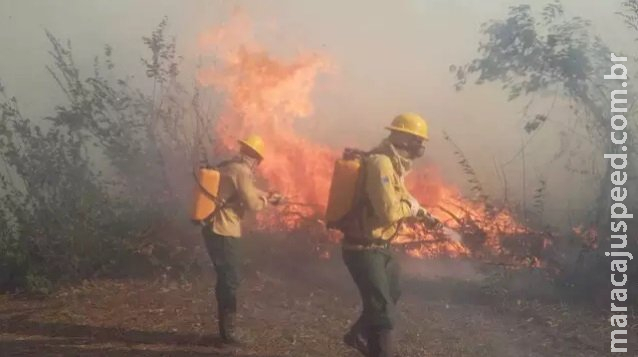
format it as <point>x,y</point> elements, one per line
<point>237,189</point>
<point>384,188</point>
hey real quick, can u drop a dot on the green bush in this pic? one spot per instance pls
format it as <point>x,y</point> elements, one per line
<point>80,187</point>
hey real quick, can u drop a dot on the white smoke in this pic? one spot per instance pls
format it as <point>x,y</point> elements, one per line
<point>453,235</point>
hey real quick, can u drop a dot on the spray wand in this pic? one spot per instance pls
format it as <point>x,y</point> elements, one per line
<point>279,199</point>
<point>431,222</point>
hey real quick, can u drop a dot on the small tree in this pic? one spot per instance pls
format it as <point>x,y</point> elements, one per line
<point>557,55</point>
<point>553,55</point>
<point>81,188</point>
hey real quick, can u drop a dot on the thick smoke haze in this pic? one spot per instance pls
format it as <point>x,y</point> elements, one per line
<point>388,57</point>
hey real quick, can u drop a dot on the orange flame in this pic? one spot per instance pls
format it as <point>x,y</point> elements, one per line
<point>265,95</point>
<point>268,95</point>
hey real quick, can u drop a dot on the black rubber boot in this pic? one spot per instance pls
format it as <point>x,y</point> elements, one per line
<point>356,338</point>
<point>381,343</point>
<point>222,325</point>
<point>229,332</point>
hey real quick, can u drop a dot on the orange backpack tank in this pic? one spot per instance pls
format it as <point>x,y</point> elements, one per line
<point>205,193</point>
<point>343,188</point>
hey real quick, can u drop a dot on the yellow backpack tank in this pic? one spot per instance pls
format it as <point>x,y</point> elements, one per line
<point>205,194</point>
<point>343,188</point>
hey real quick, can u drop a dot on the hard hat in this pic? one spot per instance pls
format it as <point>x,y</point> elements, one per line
<point>410,123</point>
<point>255,144</point>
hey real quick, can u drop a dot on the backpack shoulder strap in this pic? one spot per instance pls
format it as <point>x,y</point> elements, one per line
<point>219,203</point>
<point>361,156</point>
<point>353,220</point>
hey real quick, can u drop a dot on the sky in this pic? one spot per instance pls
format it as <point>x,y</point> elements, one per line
<point>389,57</point>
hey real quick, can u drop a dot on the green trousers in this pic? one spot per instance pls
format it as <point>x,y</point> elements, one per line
<point>376,274</point>
<point>225,253</point>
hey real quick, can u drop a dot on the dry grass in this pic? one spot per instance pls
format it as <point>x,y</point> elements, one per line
<point>299,306</point>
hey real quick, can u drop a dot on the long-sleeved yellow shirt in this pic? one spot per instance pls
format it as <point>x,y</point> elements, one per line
<point>238,194</point>
<point>384,188</point>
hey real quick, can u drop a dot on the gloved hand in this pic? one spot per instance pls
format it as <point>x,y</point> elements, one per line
<point>415,206</point>
<point>275,198</point>
<point>431,221</point>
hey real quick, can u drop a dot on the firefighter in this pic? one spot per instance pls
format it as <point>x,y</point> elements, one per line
<point>366,250</point>
<point>222,232</point>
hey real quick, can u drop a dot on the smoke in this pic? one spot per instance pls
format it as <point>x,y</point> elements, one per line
<point>390,57</point>
<point>441,269</point>
<point>453,235</point>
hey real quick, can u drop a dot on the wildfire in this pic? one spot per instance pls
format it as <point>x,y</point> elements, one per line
<point>268,95</point>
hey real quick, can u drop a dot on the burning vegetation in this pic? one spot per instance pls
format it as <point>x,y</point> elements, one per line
<point>102,189</point>
<point>266,94</point>
<point>147,140</point>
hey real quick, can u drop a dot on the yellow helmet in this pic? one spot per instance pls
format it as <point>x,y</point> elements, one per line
<point>410,123</point>
<point>255,145</point>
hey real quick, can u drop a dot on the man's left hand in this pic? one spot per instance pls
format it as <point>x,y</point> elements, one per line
<point>275,198</point>
<point>431,221</point>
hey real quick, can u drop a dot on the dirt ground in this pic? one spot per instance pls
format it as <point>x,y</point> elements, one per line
<point>301,306</point>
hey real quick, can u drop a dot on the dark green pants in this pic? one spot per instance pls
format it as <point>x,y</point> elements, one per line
<point>225,254</point>
<point>376,273</point>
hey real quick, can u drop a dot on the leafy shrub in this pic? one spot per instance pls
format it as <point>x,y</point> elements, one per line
<point>81,188</point>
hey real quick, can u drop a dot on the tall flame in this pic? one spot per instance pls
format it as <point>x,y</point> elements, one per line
<point>268,95</point>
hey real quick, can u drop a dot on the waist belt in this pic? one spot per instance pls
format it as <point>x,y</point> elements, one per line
<point>374,244</point>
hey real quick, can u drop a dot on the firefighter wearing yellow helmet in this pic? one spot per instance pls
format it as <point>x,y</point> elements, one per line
<point>366,250</point>
<point>222,231</point>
